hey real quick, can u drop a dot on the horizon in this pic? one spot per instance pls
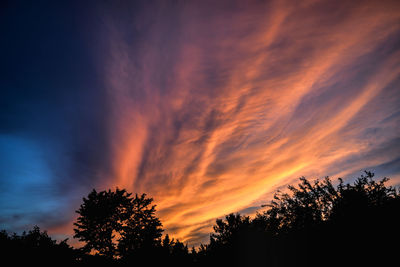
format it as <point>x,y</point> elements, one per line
<point>207,107</point>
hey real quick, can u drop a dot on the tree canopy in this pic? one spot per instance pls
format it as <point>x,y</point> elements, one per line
<point>307,224</point>
<point>34,246</point>
<point>316,223</point>
<point>113,223</point>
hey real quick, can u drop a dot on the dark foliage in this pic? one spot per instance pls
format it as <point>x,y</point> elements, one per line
<point>101,217</point>
<point>34,248</point>
<point>113,224</point>
<point>141,230</point>
<point>314,224</point>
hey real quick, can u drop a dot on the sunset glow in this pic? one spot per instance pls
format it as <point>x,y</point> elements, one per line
<point>209,107</point>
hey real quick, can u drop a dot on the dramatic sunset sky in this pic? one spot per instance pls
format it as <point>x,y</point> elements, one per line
<point>209,107</point>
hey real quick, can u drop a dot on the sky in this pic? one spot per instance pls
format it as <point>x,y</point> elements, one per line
<point>208,107</point>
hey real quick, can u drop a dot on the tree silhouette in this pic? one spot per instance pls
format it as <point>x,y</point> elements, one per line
<point>317,223</point>
<point>237,240</point>
<point>101,218</point>
<point>226,231</point>
<point>34,247</point>
<point>112,223</point>
<point>306,225</point>
<point>141,230</point>
<point>174,252</point>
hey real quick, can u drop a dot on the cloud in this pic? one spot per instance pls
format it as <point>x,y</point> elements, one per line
<point>219,104</point>
<point>208,106</point>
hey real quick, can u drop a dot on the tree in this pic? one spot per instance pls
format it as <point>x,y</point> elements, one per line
<point>112,223</point>
<point>175,252</point>
<point>226,231</point>
<point>101,218</point>
<point>236,240</point>
<point>34,247</point>
<point>141,229</point>
<point>314,223</point>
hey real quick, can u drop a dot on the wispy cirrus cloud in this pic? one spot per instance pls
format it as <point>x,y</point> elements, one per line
<point>214,105</point>
<point>207,106</point>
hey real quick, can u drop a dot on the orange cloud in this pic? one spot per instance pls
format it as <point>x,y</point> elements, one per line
<point>218,105</point>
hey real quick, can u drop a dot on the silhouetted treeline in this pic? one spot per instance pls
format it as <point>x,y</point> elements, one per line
<point>34,246</point>
<point>313,224</point>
